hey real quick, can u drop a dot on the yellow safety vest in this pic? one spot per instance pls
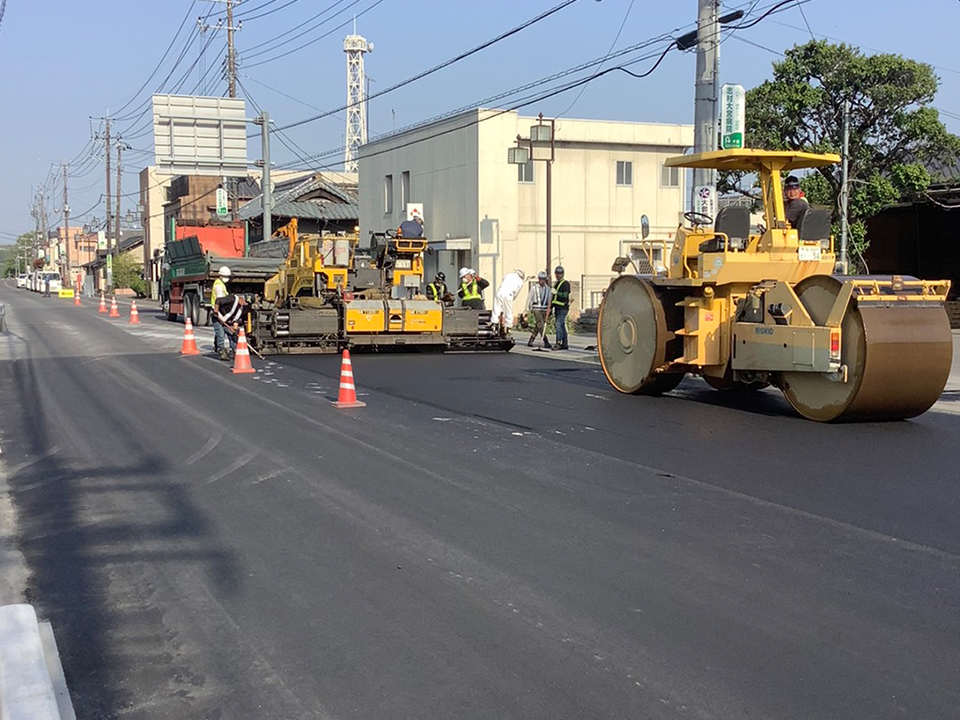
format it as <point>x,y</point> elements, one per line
<point>436,291</point>
<point>559,288</point>
<point>213,292</point>
<point>470,291</point>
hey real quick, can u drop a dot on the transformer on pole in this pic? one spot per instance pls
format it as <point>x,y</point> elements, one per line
<point>355,46</point>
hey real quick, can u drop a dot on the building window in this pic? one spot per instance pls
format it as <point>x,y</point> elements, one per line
<point>388,194</point>
<point>624,172</point>
<point>404,189</point>
<point>669,177</point>
<point>525,172</point>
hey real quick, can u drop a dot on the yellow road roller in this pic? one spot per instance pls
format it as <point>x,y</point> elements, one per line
<point>745,310</point>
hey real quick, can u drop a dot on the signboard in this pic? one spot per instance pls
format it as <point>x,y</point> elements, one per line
<point>732,116</point>
<point>101,240</point>
<point>705,200</point>
<point>221,202</point>
<point>198,135</point>
<point>414,210</point>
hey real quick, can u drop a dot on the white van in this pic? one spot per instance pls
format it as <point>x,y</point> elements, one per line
<point>53,278</point>
<point>22,280</point>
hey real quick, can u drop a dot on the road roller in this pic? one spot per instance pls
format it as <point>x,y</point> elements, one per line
<point>747,309</point>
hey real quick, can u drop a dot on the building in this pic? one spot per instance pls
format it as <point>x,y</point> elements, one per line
<point>68,250</point>
<point>154,186</point>
<point>484,213</point>
<point>323,203</point>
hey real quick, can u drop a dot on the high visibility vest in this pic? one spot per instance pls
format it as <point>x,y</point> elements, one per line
<point>218,283</point>
<point>436,291</point>
<point>470,291</point>
<point>558,288</point>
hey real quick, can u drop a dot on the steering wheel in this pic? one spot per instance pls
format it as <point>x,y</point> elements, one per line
<point>697,218</point>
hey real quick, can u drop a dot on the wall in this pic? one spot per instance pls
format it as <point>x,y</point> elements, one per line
<point>153,195</point>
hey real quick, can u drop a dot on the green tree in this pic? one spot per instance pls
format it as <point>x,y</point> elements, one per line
<point>24,248</point>
<point>894,135</point>
<point>127,273</point>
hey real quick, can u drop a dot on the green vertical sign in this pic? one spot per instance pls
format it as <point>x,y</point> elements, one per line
<point>732,116</point>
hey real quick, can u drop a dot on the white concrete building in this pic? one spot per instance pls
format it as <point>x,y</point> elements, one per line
<point>484,213</point>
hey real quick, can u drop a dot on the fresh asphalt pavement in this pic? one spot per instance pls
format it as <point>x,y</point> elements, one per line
<point>493,536</point>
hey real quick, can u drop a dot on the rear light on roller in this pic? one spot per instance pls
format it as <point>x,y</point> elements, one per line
<point>835,345</point>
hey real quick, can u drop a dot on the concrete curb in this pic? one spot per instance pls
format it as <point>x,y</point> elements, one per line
<point>26,686</point>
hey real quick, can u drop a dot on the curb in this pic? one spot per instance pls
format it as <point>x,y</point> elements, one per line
<point>28,668</point>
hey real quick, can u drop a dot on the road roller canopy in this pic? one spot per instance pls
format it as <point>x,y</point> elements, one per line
<point>753,160</point>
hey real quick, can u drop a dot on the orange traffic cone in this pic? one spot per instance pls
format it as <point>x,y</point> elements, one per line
<point>114,310</point>
<point>347,397</point>
<point>103,304</point>
<point>134,314</point>
<point>189,346</point>
<point>76,299</point>
<point>241,361</point>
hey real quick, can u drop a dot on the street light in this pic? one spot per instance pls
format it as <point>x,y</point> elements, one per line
<point>540,134</point>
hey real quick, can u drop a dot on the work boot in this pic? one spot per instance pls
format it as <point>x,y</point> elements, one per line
<point>530,342</point>
<point>546,344</point>
<point>224,355</point>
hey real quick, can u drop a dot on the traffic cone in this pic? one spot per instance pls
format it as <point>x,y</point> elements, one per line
<point>134,314</point>
<point>103,304</point>
<point>241,361</point>
<point>76,299</point>
<point>189,346</point>
<point>347,397</point>
<point>114,310</point>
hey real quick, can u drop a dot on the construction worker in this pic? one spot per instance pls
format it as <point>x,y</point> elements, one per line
<point>538,301</point>
<point>471,289</point>
<point>412,228</point>
<point>437,290</point>
<point>796,204</point>
<point>561,306</point>
<point>230,310</point>
<point>217,292</point>
<point>506,294</point>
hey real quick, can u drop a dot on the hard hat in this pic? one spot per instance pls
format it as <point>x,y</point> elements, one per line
<point>791,182</point>
<point>542,275</point>
<point>520,274</point>
<point>441,277</point>
<point>464,272</point>
<point>559,270</point>
<point>224,271</point>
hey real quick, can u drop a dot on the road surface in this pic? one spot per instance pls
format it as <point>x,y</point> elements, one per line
<point>493,536</point>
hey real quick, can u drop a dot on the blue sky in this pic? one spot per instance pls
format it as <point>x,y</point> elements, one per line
<point>63,62</point>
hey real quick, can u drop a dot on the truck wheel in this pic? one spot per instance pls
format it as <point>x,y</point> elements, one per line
<point>191,307</point>
<point>165,308</point>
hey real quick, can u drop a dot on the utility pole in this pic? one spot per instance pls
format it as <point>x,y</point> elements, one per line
<point>120,145</point>
<point>707,92</point>
<point>106,146</point>
<point>267,198</point>
<point>231,59</point>
<point>67,270</point>
<point>844,187</point>
<point>231,54</point>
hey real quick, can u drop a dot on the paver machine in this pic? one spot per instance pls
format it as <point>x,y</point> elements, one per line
<point>745,310</point>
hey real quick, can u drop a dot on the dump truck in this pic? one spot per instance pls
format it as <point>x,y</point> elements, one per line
<point>745,310</point>
<point>189,272</point>
<point>329,295</point>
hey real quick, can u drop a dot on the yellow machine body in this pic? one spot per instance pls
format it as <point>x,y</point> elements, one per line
<point>745,310</point>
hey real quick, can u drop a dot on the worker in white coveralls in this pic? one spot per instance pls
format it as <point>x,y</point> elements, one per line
<point>506,294</point>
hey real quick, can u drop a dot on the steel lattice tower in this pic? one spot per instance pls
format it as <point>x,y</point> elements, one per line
<point>355,46</point>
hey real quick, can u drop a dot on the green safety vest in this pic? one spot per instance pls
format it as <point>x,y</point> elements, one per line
<point>470,291</point>
<point>558,288</point>
<point>213,292</point>
<point>436,291</point>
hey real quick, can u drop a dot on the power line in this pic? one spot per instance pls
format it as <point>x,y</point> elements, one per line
<point>310,19</point>
<point>446,63</point>
<point>268,12</point>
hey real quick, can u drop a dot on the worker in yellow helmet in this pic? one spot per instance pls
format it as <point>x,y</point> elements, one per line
<point>217,293</point>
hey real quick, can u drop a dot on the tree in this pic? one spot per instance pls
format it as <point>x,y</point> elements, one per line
<point>894,135</point>
<point>128,274</point>
<point>24,248</point>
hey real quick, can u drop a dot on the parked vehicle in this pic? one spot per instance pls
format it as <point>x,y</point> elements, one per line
<point>22,280</point>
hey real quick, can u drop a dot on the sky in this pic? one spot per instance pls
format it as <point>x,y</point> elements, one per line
<point>64,65</point>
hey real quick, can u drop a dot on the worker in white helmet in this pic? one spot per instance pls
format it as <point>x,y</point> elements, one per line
<point>218,292</point>
<point>503,301</point>
<point>471,288</point>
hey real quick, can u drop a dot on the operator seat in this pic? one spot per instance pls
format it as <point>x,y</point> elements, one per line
<point>734,222</point>
<point>814,224</point>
